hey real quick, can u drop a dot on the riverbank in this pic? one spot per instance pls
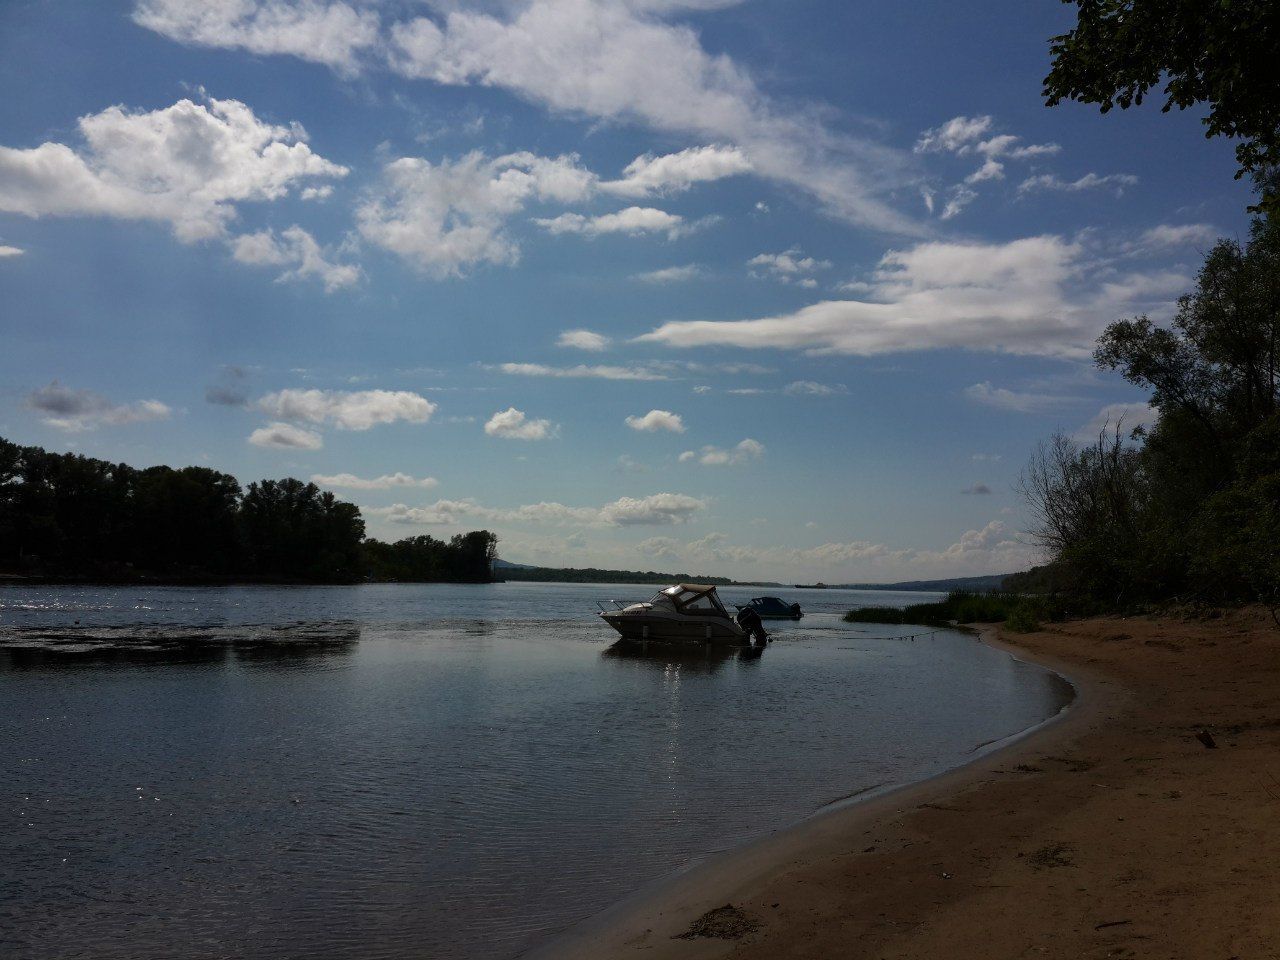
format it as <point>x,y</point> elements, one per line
<point>1111,831</point>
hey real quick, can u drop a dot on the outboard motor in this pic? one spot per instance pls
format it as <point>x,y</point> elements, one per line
<point>750,621</point>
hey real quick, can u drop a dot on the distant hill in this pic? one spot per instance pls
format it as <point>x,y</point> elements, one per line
<point>988,583</point>
<point>505,570</point>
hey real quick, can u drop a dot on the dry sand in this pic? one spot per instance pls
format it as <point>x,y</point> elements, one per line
<point>1110,832</point>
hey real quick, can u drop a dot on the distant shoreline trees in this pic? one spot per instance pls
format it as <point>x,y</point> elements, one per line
<point>71,517</point>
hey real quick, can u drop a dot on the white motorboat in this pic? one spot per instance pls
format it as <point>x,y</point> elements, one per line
<point>685,612</point>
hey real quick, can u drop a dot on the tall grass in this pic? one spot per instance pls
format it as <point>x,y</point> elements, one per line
<point>1018,611</point>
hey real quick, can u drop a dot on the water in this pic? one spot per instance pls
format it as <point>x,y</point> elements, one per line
<point>453,772</point>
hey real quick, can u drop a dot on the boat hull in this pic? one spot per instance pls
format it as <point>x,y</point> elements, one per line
<point>672,630</point>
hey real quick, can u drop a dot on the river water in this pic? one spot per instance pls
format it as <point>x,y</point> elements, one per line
<point>427,771</point>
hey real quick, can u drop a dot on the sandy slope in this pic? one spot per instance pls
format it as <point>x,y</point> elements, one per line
<point>1111,833</point>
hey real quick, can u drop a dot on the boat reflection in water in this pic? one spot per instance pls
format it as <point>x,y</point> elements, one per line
<point>691,658</point>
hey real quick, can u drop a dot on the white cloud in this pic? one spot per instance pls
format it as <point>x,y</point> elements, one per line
<point>512,424</point>
<point>605,59</point>
<point>967,136</point>
<point>298,250</point>
<point>1090,181</point>
<point>989,550</point>
<point>1126,417</point>
<point>1043,296</point>
<point>1167,235</point>
<point>7,251</point>
<point>811,388</point>
<point>675,172</point>
<point>1004,399</point>
<point>286,436</point>
<point>316,193</point>
<point>790,266</point>
<point>955,135</point>
<point>384,482</point>
<point>597,372</point>
<point>187,165</point>
<point>347,410</point>
<point>77,410</point>
<point>659,509</point>
<point>447,217</point>
<point>583,340</point>
<point>632,222</point>
<point>656,420</point>
<point>711,456</point>
<point>335,33</point>
<point>670,274</point>
<point>959,198</point>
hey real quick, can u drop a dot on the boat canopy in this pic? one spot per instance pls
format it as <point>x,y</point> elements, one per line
<point>695,598</point>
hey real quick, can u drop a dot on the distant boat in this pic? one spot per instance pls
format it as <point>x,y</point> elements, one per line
<point>811,586</point>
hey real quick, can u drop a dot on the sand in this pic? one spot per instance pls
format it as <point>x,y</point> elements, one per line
<point>1112,831</point>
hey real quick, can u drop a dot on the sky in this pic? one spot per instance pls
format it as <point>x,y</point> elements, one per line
<point>761,289</point>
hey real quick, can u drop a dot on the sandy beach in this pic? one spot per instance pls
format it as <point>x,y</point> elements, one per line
<point>1114,830</point>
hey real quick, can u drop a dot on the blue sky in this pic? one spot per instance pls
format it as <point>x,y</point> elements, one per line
<point>769,290</point>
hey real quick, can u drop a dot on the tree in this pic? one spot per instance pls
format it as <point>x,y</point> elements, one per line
<point>1222,54</point>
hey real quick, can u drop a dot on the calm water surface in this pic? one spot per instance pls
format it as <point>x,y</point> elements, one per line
<point>396,771</point>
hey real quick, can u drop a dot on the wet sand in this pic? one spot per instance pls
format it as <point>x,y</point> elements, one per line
<point>1111,831</point>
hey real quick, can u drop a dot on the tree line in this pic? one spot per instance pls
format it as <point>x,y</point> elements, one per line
<point>1186,508</point>
<point>64,515</point>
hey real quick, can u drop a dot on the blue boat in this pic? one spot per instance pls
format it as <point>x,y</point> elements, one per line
<point>773,608</point>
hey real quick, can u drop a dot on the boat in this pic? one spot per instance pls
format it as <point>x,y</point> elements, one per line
<point>685,612</point>
<point>811,586</point>
<point>773,608</point>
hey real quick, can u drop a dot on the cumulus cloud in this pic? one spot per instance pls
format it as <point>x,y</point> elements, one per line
<point>790,266</point>
<point>656,420</point>
<point>1090,181</point>
<point>1125,417</point>
<point>335,34</point>
<point>711,456</point>
<point>811,388</point>
<point>597,372</point>
<point>512,424</point>
<point>296,249</point>
<point>385,482</point>
<point>674,172</point>
<point>1168,236</point>
<point>689,271</point>
<point>583,340</point>
<point>659,509</point>
<point>1044,296</point>
<point>1020,402</point>
<point>631,222</point>
<point>605,59</point>
<point>285,436</point>
<point>187,165</point>
<point>77,410</point>
<point>448,217</point>
<point>991,549</point>
<point>968,136</point>
<point>7,251</point>
<point>347,410</point>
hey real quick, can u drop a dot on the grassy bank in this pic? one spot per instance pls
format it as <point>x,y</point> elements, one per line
<point>1019,612</point>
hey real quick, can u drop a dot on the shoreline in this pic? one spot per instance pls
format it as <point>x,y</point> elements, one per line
<point>1139,821</point>
<point>661,910</point>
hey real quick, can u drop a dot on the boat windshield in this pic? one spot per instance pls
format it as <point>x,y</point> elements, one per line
<point>693,600</point>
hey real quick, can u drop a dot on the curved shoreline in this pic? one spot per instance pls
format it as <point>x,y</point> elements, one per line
<point>652,919</point>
